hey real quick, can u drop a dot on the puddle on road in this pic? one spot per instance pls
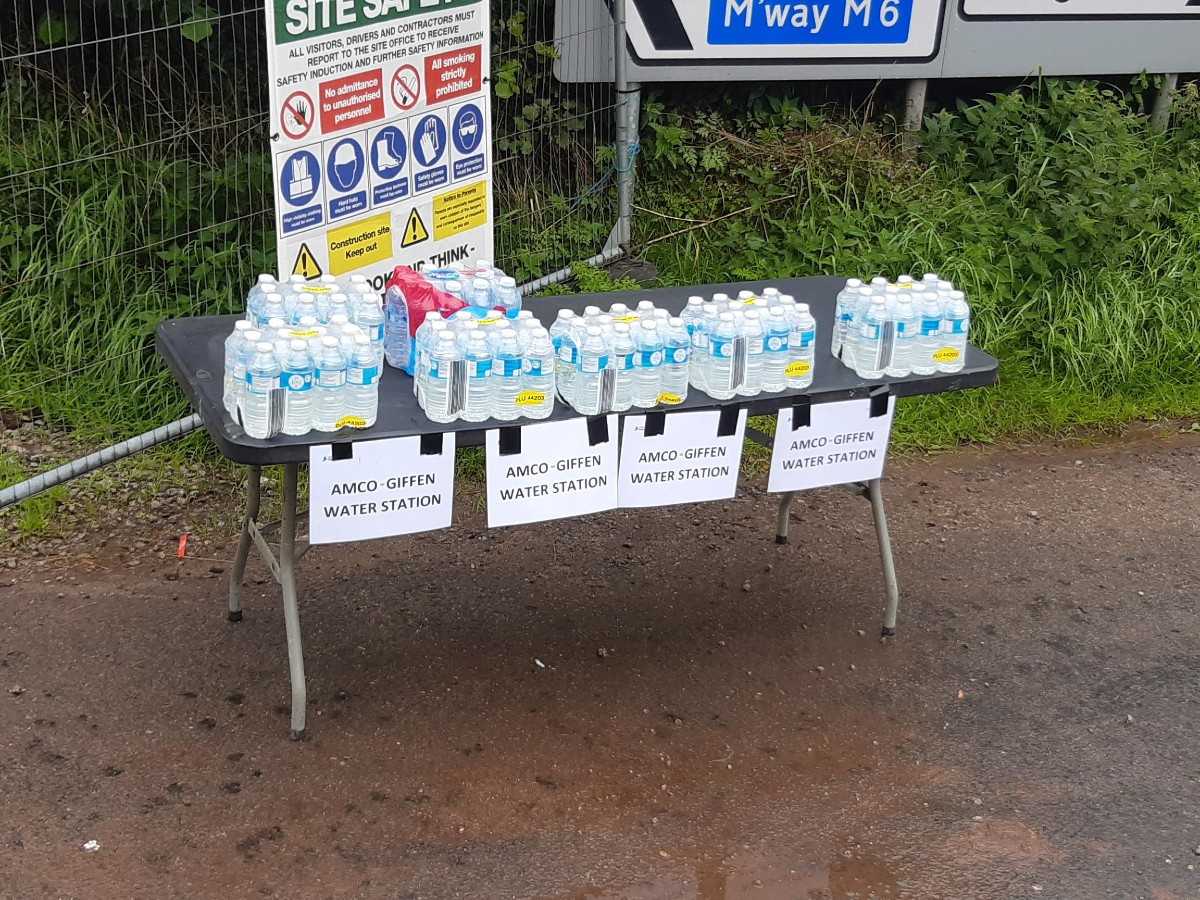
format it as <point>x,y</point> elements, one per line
<point>759,877</point>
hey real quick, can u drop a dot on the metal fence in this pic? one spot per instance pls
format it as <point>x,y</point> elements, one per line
<point>135,185</point>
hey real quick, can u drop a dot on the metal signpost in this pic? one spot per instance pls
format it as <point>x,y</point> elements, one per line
<point>382,134</point>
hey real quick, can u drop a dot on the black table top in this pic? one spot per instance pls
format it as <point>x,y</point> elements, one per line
<point>194,351</point>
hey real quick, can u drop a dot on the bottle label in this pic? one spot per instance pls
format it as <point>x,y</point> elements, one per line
<point>946,354</point>
<point>754,345</point>
<point>490,320</point>
<point>351,422</point>
<point>436,370</point>
<point>261,384</point>
<point>531,398</point>
<point>535,367</point>
<point>798,369</point>
<point>479,368</point>
<point>807,339</point>
<point>303,334</point>
<point>722,348</point>
<point>905,329</point>
<point>509,368</point>
<point>776,344</point>
<point>667,399</point>
<point>630,317</point>
<point>958,326</point>
<point>567,353</point>
<point>364,375</point>
<point>677,356</point>
<point>375,332</point>
<point>869,332</point>
<point>649,359</point>
<point>317,288</point>
<point>625,362</point>
<point>298,382</point>
<point>590,365</point>
<point>930,327</point>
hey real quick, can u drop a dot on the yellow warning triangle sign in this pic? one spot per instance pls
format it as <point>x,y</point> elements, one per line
<point>306,264</point>
<point>415,231</point>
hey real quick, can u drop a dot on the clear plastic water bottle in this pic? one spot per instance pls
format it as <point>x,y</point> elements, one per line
<point>648,367</point>
<point>456,288</point>
<point>538,373</point>
<point>870,359</point>
<point>262,380</point>
<point>304,304</point>
<point>956,325</point>
<point>904,340</point>
<point>693,314</point>
<point>589,397</point>
<point>929,281</point>
<point>624,354</point>
<point>905,282</point>
<point>776,356</point>
<point>508,297</point>
<point>271,307</point>
<point>443,377</point>
<point>929,341</point>
<point>368,315</point>
<point>645,310</point>
<point>677,359</point>
<point>854,326</point>
<point>755,337</point>
<point>424,341</point>
<point>802,349</point>
<point>297,380</point>
<point>567,352</point>
<point>722,348</point>
<point>619,312</point>
<point>507,366</point>
<point>844,314</point>
<point>254,296</point>
<point>478,356</point>
<point>745,297</point>
<point>362,382</point>
<point>329,386</point>
<point>481,294</point>
<point>771,295</point>
<point>234,344</point>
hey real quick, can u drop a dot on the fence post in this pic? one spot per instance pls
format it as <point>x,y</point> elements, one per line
<point>1160,116</point>
<point>914,110</point>
<point>628,120</point>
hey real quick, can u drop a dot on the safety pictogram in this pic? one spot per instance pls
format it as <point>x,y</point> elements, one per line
<point>406,87</point>
<point>415,231</point>
<point>297,115</point>
<point>306,264</point>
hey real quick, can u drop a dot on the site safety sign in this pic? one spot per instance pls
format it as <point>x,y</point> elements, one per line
<point>381,134</point>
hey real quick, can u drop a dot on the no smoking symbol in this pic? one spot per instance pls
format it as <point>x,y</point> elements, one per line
<point>406,87</point>
<point>297,115</point>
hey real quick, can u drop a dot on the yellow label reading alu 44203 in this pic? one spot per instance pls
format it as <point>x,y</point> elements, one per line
<point>531,398</point>
<point>351,422</point>
<point>797,369</point>
<point>946,354</point>
<point>669,399</point>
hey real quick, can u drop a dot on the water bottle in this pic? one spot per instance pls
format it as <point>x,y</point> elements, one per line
<point>624,353</point>
<point>444,379</point>
<point>456,288</point>
<point>507,366</point>
<point>905,282</point>
<point>255,294</point>
<point>952,355</point>
<point>339,304</point>
<point>645,310</point>
<point>590,399</point>
<point>904,339</point>
<point>481,294</point>
<point>930,339</point>
<point>362,383</point>
<point>722,366</point>
<point>304,304</point>
<point>929,281</point>
<point>648,366</point>
<point>776,356</point>
<point>746,297</point>
<point>262,380</point>
<point>693,314</point>
<point>755,337</point>
<point>844,314</point>
<point>537,379</point>
<point>802,349</point>
<point>870,359</point>
<point>854,325</point>
<point>271,306</point>
<point>508,297</point>
<point>234,344</point>
<point>423,342</point>
<point>297,381</point>
<point>478,356</point>
<point>329,386</point>
<point>567,353</point>
<point>619,312</point>
<point>676,360</point>
<point>771,296</point>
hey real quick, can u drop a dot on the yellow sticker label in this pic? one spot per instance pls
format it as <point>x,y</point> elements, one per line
<point>796,369</point>
<point>670,399</point>
<point>632,317</point>
<point>490,320</point>
<point>749,301</point>
<point>351,422</point>
<point>460,210</point>
<point>316,288</point>
<point>360,244</point>
<point>531,398</point>
<point>946,354</point>
<point>310,333</point>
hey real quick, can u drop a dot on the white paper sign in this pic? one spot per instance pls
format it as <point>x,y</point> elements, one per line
<point>386,488</point>
<point>843,444</point>
<point>687,463</point>
<point>558,473</point>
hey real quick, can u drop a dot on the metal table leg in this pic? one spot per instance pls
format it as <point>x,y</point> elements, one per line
<point>291,610</point>
<point>875,493</point>
<point>253,495</point>
<point>785,510</point>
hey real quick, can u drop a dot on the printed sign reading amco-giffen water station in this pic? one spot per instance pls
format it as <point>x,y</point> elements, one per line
<point>381,134</point>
